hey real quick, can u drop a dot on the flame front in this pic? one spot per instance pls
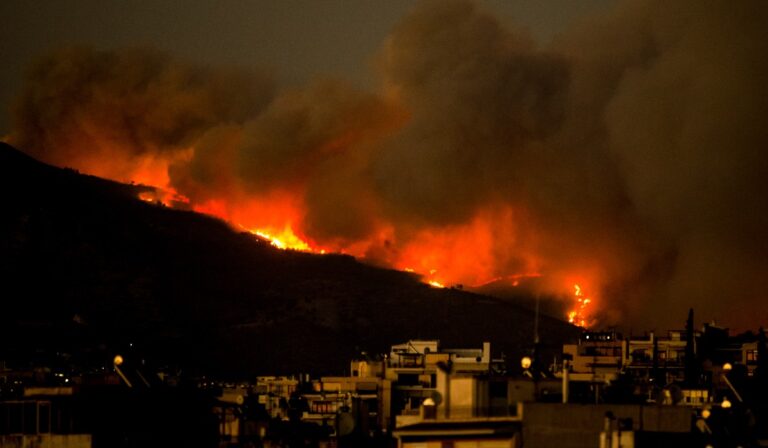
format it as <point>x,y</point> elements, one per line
<point>440,256</point>
<point>286,239</point>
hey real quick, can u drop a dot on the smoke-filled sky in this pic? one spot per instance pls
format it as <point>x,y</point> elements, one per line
<point>293,40</point>
<point>617,145</point>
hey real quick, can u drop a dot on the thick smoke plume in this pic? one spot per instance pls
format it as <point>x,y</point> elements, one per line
<point>627,156</point>
<point>118,112</point>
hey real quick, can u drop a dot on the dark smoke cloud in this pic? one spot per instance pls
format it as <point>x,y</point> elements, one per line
<point>493,121</point>
<point>315,141</point>
<point>79,102</point>
<point>302,130</point>
<point>482,101</point>
<point>635,142</point>
<point>631,150</point>
<point>688,129</point>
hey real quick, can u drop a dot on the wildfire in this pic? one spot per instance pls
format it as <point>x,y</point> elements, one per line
<point>428,279</point>
<point>285,239</point>
<point>578,315</point>
<point>277,219</point>
<point>168,198</point>
<point>148,196</point>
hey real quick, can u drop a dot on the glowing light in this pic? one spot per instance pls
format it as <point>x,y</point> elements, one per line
<point>435,284</point>
<point>526,362</point>
<point>118,360</point>
<point>726,404</point>
<point>727,366</point>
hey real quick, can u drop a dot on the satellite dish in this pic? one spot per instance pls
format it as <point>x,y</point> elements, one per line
<point>345,424</point>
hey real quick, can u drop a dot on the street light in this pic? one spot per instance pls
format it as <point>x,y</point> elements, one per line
<point>727,367</point>
<point>116,363</point>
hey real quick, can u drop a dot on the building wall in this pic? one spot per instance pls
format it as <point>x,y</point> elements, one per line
<point>46,441</point>
<point>577,426</point>
<point>462,397</point>
<point>500,443</point>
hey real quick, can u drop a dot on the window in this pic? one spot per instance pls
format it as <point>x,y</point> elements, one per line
<point>408,379</point>
<point>323,407</point>
<point>497,389</point>
<point>641,355</point>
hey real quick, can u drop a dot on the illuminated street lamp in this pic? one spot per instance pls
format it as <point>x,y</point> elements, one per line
<point>726,404</point>
<point>526,362</point>
<point>116,362</point>
<point>727,367</point>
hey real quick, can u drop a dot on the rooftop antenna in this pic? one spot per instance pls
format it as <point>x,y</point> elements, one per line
<point>536,324</point>
<point>535,367</point>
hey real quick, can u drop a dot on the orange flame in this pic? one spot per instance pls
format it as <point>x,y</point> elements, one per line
<point>579,314</point>
<point>427,278</point>
<point>286,240</point>
<point>431,252</point>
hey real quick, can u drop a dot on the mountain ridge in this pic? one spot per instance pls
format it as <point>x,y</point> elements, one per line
<point>84,258</point>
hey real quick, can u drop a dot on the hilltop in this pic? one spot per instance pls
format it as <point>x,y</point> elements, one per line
<point>87,269</point>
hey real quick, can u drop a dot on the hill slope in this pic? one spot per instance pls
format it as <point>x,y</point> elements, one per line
<point>86,268</point>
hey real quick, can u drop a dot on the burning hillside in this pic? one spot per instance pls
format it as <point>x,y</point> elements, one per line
<point>192,291</point>
<point>599,161</point>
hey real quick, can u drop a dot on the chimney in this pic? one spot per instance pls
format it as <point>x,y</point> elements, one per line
<point>429,409</point>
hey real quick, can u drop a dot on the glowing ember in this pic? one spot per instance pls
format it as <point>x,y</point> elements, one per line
<point>429,278</point>
<point>578,315</point>
<point>168,198</point>
<point>148,196</point>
